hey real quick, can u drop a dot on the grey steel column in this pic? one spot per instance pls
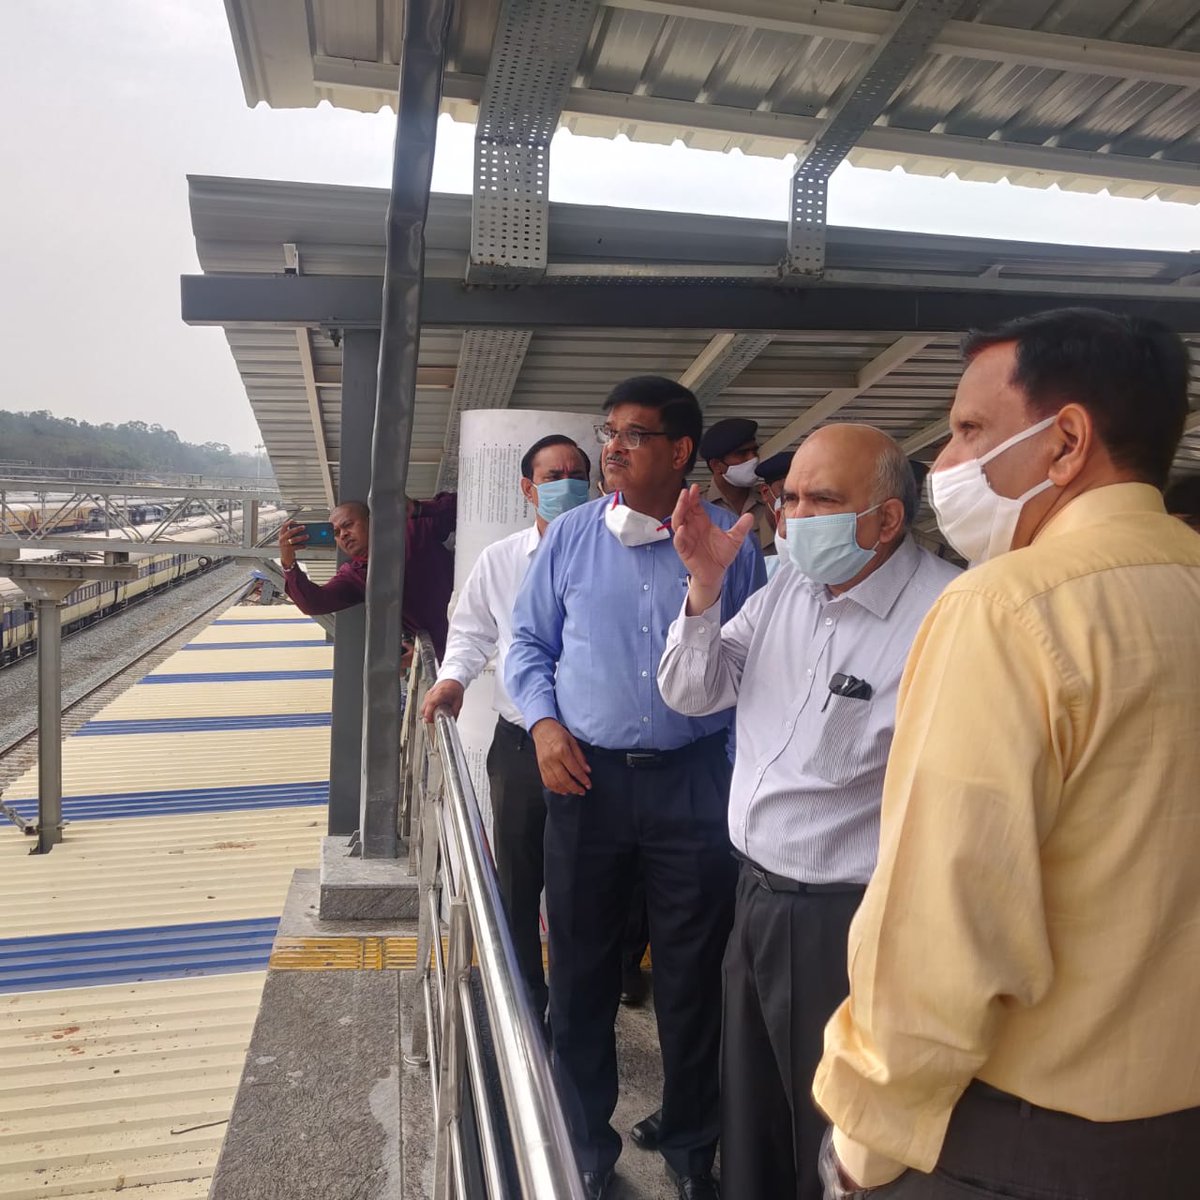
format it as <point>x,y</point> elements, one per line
<point>421,62</point>
<point>360,359</point>
<point>49,653</point>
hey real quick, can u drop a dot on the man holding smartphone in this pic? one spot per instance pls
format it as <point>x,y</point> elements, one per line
<point>813,664</point>
<point>428,564</point>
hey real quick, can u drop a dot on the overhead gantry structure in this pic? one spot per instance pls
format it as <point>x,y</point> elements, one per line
<point>505,298</point>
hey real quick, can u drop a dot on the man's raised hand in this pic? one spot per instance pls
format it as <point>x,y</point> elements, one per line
<point>704,547</point>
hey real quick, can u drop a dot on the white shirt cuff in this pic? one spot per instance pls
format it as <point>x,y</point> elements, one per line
<point>699,629</point>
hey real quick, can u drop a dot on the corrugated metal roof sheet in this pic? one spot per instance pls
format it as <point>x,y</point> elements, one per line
<point>108,1089</point>
<point>240,226</point>
<point>1084,94</point>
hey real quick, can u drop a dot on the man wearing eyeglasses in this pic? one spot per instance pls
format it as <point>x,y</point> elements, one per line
<point>632,788</point>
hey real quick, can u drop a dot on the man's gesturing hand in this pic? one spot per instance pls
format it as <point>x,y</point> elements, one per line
<point>704,548</point>
<point>449,692</point>
<point>560,760</point>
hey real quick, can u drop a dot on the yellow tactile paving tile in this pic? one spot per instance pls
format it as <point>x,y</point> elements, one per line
<point>344,954</point>
<point>121,1090</point>
<point>151,762</point>
<point>221,699</point>
<point>317,657</point>
<point>147,871</point>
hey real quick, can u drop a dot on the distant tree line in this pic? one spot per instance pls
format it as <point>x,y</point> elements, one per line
<point>44,440</point>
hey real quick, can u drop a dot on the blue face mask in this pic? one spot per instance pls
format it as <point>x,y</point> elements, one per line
<point>559,496</point>
<point>826,548</point>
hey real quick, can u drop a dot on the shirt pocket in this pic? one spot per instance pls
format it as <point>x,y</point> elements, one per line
<point>840,754</point>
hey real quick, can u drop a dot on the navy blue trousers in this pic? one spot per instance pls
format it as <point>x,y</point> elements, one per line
<point>670,824</point>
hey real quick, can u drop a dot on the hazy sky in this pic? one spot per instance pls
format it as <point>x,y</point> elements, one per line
<point>108,105</point>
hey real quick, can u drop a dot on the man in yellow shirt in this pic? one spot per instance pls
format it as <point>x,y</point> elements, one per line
<point>1024,1010</point>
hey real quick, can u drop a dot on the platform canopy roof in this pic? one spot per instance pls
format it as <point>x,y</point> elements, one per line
<point>288,266</point>
<point>1085,94</point>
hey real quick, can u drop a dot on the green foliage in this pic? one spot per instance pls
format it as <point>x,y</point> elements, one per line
<point>44,440</point>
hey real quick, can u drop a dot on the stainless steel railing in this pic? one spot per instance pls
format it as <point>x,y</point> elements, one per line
<point>525,1134</point>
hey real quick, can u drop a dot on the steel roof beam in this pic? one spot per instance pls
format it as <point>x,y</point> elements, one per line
<point>863,101</point>
<point>720,362</point>
<point>346,301</point>
<point>535,53</point>
<point>488,365</point>
<point>900,351</point>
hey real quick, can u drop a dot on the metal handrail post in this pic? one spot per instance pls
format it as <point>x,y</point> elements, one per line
<point>545,1160</point>
<point>453,1050</point>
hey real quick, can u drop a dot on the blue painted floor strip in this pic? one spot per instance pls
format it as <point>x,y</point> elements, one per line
<point>289,645</point>
<point>264,621</point>
<point>189,800</point>
<point>204,724</point>
<point>130,955</point>
<point>240,676</point>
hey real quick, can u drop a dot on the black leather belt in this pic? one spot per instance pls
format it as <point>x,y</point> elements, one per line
<point>651,760</point>
<point>770,882</point>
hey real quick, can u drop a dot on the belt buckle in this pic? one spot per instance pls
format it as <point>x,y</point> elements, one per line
<point>640,758</point>
<point>761,876</point>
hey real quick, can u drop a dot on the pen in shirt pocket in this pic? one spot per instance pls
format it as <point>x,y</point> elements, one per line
<point>849,686</point>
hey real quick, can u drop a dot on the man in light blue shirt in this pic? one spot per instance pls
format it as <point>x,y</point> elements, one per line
<point>633,788</point>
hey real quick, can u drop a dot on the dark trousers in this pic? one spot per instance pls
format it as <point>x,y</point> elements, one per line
<point>671,822</point>
<point>784,974</point>
<point>1000,1147</point>
<point>518,834</point>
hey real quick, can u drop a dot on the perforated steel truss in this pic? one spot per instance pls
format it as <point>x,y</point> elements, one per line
<point>488,365</point>
<point>721,362</point>
<point>919,23</point>
<point>537,48</point>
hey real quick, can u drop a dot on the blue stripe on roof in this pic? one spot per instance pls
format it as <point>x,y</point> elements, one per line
<point>291,645</point>
<point>130,955</point>
<point>264,621</point>
<point>240,676</point>
<point>184,800</point>
<point>204,724</point>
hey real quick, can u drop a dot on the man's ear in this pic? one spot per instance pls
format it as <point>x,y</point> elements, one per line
<point>683,451</point>
<point>1077,433</point>
<point>529,491</point>
<point>891,527</point>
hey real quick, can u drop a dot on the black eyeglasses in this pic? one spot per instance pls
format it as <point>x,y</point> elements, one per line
<point>627,439</point>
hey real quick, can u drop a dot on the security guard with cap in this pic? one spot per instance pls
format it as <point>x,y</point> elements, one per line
<point>730,448</point>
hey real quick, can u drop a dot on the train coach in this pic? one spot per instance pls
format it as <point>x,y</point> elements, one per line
<point>93,601</point>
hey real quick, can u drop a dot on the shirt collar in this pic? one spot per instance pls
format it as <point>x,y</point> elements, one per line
<point>880,590</point>
<point>1099,504</point>
<point>532,539</point>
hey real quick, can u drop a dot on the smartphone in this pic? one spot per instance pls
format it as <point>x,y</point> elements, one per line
<point>320,533</point>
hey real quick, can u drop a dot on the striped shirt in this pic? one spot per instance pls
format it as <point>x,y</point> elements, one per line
<point>808,777</point>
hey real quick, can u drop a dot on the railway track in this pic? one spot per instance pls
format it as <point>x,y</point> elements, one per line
<point>18,749</point>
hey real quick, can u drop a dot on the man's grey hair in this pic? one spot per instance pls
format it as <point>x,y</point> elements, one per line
<point>894,478</point>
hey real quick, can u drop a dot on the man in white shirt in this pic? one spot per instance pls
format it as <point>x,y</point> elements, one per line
<point>813,664</point>
<point>554,478</point>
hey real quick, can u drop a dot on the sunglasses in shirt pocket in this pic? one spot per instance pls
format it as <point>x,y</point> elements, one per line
<point>841,752</point>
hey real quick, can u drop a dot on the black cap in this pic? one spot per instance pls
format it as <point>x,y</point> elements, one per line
<point>726,436</point>
<point>775,468</point>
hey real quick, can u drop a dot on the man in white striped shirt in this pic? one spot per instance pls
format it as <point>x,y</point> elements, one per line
<point>813,663</point>
<point>554,478</point>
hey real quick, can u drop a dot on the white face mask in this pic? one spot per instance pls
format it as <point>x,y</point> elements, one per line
<point>977,522</point>
<point>632,528</point>
<point>742,474</point>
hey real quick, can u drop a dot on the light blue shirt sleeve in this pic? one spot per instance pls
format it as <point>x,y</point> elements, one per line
<point>537,637</point>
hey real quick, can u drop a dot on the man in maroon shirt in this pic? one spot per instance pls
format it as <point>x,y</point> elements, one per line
<point>428,565</point>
